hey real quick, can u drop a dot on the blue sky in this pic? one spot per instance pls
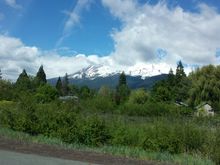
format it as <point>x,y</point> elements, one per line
<point>108,29</point>
<point>41,23</point>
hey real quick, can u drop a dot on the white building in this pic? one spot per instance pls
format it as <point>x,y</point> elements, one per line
<point>204,110</point>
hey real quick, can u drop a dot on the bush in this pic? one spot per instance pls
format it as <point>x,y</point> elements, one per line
<point>99,104</point>
<point>122,135</point>
<point>216,154</point>
<point>151,108</point>
<point>163,138</point>
<point>138,97</point>
<point>6,90</point>
<point>46,93</point>
<point>94,131</point>
<point>163,133</point>
<point>194,138</point>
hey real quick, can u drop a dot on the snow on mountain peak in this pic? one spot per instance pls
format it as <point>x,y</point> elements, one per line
<point>94,71</point>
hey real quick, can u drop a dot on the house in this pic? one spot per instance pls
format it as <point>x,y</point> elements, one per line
<point>67,98</point>
<point>179,103</point>
<point>204,109</point>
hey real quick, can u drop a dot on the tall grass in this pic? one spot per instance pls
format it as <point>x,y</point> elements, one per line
<point>159,135</point>
<point>129,152</point>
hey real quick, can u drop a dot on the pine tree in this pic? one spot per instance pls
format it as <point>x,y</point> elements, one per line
<point>171,78</point>
<point>65,87</point>
<point>0,74</point>
<point>59,86</point>
<point>122,90</point>
<point>41,76</point>
<point>23,82</point>
<point>181,83</point>
<point>122,79</point>
<point>180,74</point>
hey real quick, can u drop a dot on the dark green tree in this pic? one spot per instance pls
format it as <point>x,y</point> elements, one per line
<point>175,87</point>
<point>180,74</point>
<point>85,92</point>
<point>46,93</point>
<point>59,86</point>
<point>182,83</point>
<point>65,87</point>
<point>0,74</point>
<point>41,77</point>
<point>163,91</point>
<point>6,90</point>
<point>122,90</point>
<point>23,82</point>
<point>171,78</point>
<point>122,79</point>
<point>205,86</point>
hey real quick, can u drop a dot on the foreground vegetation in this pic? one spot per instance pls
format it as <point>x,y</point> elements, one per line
<point>127,151</point>
<point>154,138</point>
<point>135,123</point>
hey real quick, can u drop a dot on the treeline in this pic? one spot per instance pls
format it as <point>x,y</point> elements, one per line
<point>201,85</point>
<point>141,119</point>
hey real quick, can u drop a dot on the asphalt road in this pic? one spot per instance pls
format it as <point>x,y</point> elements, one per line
<point>13,158</point>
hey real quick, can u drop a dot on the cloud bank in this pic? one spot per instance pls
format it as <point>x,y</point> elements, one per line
<point>15,56</point>
<point>186,36</point>
<point>150,34</point>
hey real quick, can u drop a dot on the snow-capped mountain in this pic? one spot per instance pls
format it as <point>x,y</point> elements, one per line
<point>138,76</point>
<point>95,76</point>
<point>94,71</point>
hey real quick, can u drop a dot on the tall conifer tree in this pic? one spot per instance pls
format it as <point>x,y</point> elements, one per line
<point>59,86</point>
<point>65,85</point>
<point>122,79</point>
<point>0,74</point>
<point>23,82</point>
<point>41,76</point>
<point>122,90</point>
<point>180,74</point>
<point>171,78</point>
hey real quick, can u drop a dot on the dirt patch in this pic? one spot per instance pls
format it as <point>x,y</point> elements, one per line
<point>52,151</point>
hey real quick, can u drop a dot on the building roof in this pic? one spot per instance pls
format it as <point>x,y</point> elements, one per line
<point>202,104</point>
<point>68,97</point>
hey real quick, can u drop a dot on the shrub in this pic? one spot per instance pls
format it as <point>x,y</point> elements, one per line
<point>92,131</point>
<point>99,104</point>
<point>138,97</point>
<point>215,154</point>
<point>122,135</point>
<point>6,90</point>
<point>163,138</point>
<point>194,138</point>
<point>46,93</point>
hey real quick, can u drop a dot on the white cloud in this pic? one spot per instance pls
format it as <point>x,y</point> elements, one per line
<point>15,56</point>
<point>149,35</point>
<point>74,18</point>
<point>190,37</point>
<point>13,4</point>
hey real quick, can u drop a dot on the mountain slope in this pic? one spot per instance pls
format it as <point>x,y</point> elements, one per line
<point>94,71</point>
<point>133,82</point>
<point>96,76</point>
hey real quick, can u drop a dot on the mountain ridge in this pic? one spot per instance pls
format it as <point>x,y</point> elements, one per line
<point>94,71</point>
<point>95,76</point>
